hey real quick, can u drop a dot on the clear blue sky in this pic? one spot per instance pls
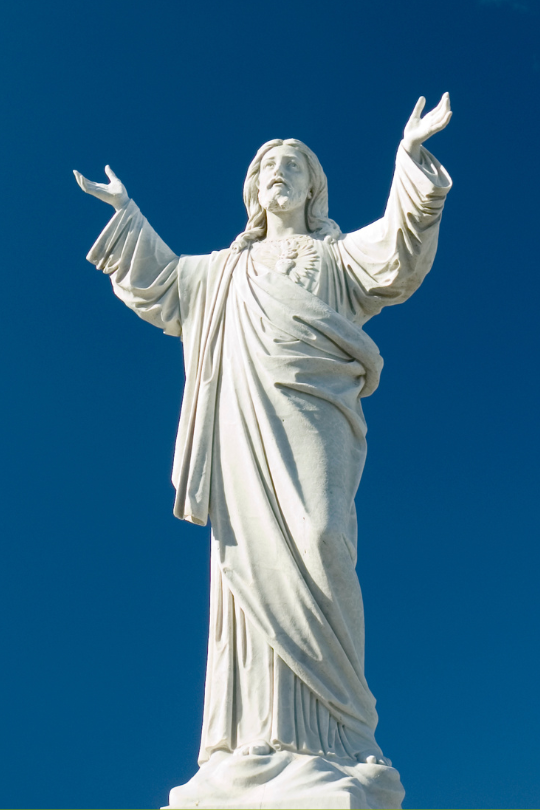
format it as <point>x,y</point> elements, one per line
<point>104,594</point>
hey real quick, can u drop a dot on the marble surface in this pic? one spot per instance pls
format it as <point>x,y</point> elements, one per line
<point>271,447</point>
<point>288,780</point>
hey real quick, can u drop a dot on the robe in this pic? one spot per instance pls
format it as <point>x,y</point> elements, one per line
<point>271,446</point>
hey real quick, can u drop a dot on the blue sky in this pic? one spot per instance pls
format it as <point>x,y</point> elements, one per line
<point>104,594</point>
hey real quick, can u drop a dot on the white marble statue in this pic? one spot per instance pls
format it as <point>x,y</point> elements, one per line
<point>271,447</point>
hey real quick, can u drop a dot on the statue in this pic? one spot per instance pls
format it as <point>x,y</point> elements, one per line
<point>271,447</point>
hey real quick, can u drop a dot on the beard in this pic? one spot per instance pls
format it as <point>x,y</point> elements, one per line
<point>279,200</point>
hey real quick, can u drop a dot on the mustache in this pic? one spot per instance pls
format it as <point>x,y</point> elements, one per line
<point>276,180</point>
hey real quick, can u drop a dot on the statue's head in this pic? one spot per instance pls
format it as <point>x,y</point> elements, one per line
<point>285,174</point>
<point>284,180</point>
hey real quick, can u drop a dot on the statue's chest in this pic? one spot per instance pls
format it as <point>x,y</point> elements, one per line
<point>296,257</point>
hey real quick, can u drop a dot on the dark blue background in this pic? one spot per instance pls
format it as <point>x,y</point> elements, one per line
<point>104,594</point>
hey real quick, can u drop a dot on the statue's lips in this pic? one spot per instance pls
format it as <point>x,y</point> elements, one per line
<point>277,183</point>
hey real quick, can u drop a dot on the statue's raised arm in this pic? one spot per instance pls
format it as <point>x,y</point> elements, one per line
<point>385,262</point>
<point>143,269</point>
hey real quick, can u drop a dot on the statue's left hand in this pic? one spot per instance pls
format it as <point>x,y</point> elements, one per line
<point>420,129</point>
<point>114,192</point>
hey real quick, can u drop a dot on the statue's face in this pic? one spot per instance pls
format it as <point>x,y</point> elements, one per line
<point>284,181</point>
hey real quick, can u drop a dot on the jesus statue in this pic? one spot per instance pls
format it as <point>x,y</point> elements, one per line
<point>271,447</point>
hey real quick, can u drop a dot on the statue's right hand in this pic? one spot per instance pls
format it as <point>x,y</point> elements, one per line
<point>113,193</point>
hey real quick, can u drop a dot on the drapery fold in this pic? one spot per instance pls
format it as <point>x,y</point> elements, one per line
<point>288,453</point>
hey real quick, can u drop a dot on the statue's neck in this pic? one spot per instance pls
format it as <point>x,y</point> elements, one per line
<point>284,224</point>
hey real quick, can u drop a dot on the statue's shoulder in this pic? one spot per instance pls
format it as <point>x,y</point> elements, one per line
<point>221,255</point>
<point>198,274</point>
<point>197,262</point>
<point>218,261</point>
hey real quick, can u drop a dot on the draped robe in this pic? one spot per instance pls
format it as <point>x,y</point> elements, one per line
<point>271,445</point>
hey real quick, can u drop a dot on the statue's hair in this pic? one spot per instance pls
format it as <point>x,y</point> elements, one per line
<point>317,219</point>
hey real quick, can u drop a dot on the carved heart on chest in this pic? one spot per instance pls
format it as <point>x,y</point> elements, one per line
<point>295,257</point>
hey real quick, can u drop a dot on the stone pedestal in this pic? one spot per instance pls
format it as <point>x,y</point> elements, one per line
<point>289,781</point>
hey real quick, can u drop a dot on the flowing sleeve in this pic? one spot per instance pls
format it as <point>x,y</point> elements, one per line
<point>143,270</point>
<point>384,263</point>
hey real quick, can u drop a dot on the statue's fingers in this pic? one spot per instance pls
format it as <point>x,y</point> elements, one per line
<point>444,104</point>
<point>440,108</point>
<point>436,119</point>
<point>442,116</point>
<point>447,118</point>
<point>109,172</point>
<point>81,180</point>
<point>418,107</point>
<point>96,189</point>
<point>437,115</point>
<point>441,123</point>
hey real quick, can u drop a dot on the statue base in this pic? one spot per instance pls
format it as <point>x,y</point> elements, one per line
<point>289,781</point>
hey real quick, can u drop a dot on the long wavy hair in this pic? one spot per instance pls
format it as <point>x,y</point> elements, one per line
<point>317,219</point>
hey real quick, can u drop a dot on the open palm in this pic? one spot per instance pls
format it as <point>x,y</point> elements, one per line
<point>419,129</point>
<point>113,192</point>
